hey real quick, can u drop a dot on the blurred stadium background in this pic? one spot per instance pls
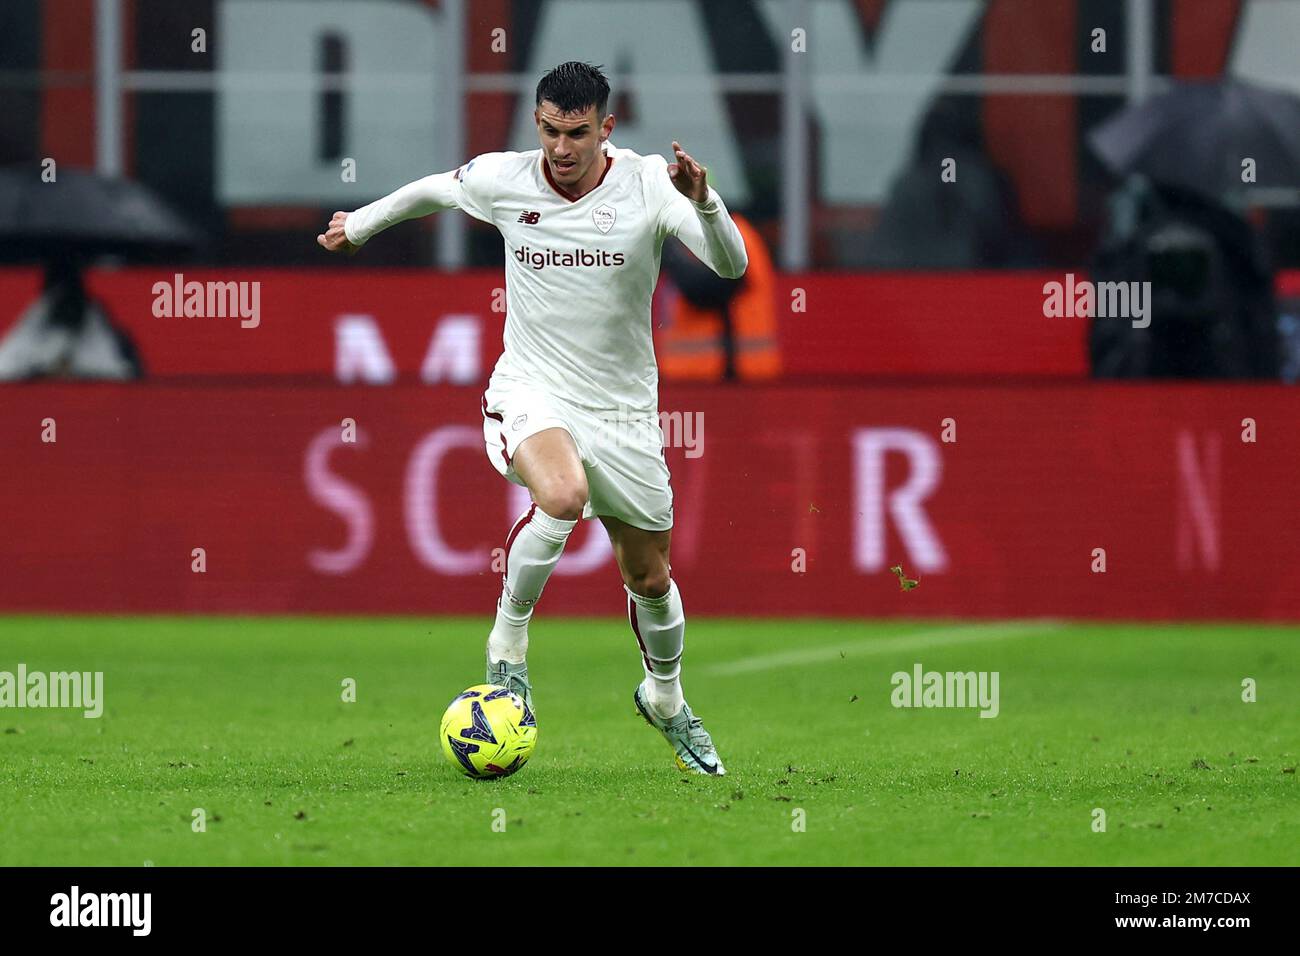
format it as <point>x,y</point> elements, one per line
<point>888,390</point>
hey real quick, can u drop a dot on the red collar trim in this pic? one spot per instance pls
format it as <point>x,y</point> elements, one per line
<point>546,171</point>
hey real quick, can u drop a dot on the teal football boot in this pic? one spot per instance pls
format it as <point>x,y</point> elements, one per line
<point>685,733</point>
<point>513,677</point>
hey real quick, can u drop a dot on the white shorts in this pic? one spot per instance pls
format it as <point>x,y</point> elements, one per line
<point>622,453</point>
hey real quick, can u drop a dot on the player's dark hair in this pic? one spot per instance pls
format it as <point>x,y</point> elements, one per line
<point>575,86</point>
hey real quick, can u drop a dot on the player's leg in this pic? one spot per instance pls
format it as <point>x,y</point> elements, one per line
<point>631,493</point>
<point>548,465</point>
<point>654,609</point>
<point>657,619</point>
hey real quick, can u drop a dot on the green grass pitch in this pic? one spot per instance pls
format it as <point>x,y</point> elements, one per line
<point>243,718</point>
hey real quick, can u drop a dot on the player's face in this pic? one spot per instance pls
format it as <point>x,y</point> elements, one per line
<point>570,141</point>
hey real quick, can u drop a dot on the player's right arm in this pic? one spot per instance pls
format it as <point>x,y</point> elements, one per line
<point>469,188</point>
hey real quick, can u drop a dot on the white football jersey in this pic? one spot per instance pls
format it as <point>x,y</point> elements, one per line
<point>579,273</point>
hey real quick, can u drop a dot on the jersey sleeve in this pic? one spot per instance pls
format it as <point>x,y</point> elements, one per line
<point>706,228</point>
<point>471,188</point>
<point>476,184</point>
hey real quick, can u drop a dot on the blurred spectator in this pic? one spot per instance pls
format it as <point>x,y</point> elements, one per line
<point>721,329</point>
<point>66,333</point>
<point>1213,313</point>
<point>970,223</point>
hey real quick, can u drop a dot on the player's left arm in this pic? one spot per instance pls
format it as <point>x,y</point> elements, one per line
<point>696,215</point>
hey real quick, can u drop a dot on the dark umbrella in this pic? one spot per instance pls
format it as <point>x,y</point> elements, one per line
<point>1197,135</point>
<point>84,214</point>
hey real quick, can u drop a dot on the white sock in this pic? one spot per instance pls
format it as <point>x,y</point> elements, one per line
<point>660,628</point>
<point>533,548</point>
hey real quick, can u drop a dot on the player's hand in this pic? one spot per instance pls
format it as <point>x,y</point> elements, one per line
<point>334,238</point>
<point>688,176</point>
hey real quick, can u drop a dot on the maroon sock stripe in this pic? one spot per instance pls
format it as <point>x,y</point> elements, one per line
<point>631,617</point>
<point>514,533</point>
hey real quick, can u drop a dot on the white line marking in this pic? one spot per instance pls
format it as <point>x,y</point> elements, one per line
<point>918,640</point>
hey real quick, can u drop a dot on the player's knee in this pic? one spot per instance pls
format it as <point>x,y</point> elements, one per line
<point>562,499</point>
<point>652,582</point>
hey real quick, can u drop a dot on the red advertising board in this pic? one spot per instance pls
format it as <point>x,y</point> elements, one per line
<point>357,325</point>
<point>371,325</point>
<point>789,500</point>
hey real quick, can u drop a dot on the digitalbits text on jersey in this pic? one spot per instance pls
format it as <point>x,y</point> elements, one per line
<point>539,259</point>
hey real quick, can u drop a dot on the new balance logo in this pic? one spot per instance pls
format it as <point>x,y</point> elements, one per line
<point>530,218</point>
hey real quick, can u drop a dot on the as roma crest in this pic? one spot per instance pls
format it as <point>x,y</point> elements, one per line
<point>603,216</point>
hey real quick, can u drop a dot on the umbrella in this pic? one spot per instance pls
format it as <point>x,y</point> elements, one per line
<point>1197,135</point>
<point>85,214</point>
